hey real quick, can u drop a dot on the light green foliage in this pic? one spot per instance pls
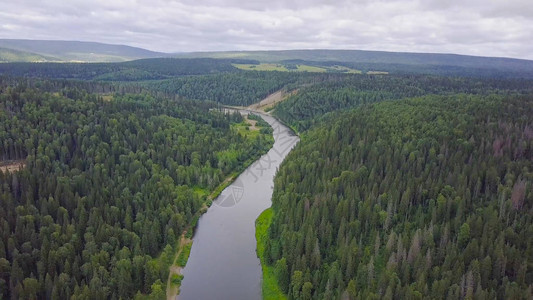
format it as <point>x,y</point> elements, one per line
<point>270,288</point>
<point>184,255</point>
<point>176,279</point>
<point>464,235</point>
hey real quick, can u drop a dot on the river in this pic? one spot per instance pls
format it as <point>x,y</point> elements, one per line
<point>223,263</point>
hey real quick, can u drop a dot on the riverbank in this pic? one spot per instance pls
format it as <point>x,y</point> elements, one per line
<point>185,243</point>
<point>223,262</point>
<point>270,289</point>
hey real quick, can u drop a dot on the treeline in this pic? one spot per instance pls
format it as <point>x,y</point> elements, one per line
<point>304,109</point>
<point>108,187</point>
<point>143,69</point>
<point>242,89</point>
<point>427,198</point>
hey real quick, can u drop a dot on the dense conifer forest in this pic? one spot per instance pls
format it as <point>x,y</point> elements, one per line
<point>422,198</point>
<point>240,89</point>
<point>142,69</point>
<point>109,185</point>
<point>403,186</point>
<point>343,92</point>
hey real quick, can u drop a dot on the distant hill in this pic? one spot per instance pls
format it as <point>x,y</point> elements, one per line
<point>13,50</point>
<point>395,62</point>
<point>72,51</point>
<point>10,55</point>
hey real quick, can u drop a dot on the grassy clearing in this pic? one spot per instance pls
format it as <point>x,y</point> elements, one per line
<point>280,67</point>
<point>297,68</point>
<point>244,130</point>
<point>262,67</point>
<point>312,69</point>
<point>247,128</point>
<point>270,288</point>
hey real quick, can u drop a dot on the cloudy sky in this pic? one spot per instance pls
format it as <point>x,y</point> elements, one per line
<point>476,27</point>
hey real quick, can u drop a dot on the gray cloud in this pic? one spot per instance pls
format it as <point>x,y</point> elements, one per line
<point>479,27</point>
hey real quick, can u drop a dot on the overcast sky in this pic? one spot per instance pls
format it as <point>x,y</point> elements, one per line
<point>475,27</point>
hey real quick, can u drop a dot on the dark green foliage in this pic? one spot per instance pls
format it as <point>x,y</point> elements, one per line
<point>143,69</point>
<point>242,88</point>
<point>342,92</point>
<point>107,188</point>
<point>410,199</point>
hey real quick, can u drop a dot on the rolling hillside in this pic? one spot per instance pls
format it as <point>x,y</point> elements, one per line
<point>394,62</point>
<point>343,61</point>
<point>9,55</point>
<point>75,51</point>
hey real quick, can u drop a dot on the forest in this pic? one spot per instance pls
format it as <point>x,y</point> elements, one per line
<point>238,89</point>
<point>403,186</point>
<point>142,69</point>
<point>305,108</point>
<point>420,198</point>
<point>109,185</point>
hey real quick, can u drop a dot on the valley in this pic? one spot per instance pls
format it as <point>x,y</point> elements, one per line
<point>358,175</point>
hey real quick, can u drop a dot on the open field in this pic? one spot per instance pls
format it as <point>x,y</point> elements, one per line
<point>288,67</point>
<point>262,67</point>
<point>312,69</point>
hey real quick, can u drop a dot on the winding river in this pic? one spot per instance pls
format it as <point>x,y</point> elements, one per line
<point>223,263</point>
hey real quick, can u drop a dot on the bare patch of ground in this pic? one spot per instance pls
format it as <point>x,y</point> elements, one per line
<point>12,165</point>
<point>173,290</point>
<point>271,100</point>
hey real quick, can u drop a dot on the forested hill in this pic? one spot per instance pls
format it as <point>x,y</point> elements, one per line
<point>143,69</point>
<point>10,55</point>
<point>109,185</point>
<point>241,88</point>
<point>306,107</point>
<point>392,62</point>
<point>76,51</point>
<point>427,198</point>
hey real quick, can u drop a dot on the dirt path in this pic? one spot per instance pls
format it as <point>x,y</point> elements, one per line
<point>173,290</point>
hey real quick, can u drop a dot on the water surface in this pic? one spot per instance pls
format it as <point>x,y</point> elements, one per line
<point>223,263</point>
